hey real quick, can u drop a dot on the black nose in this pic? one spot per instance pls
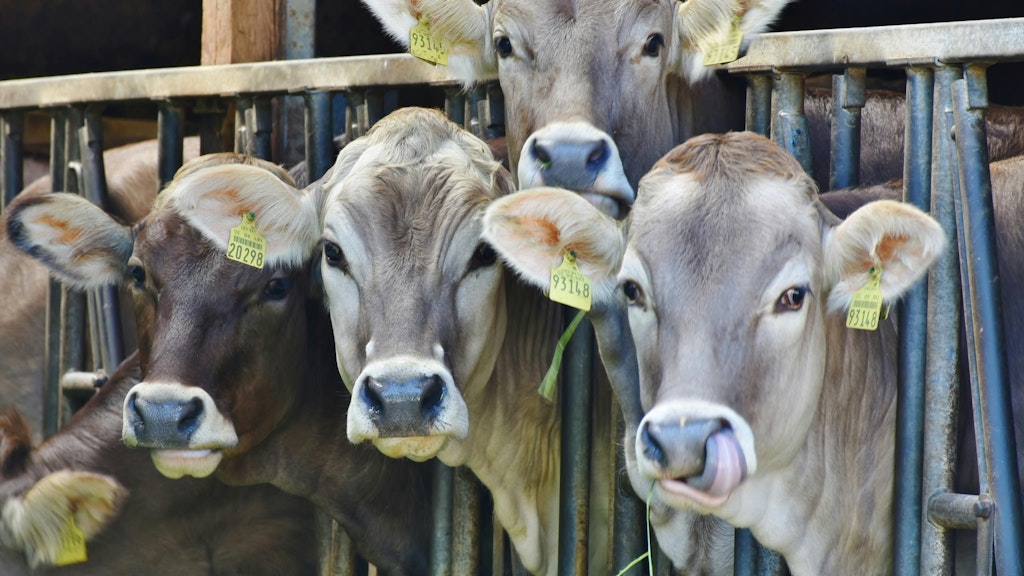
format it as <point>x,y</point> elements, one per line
<point>678,450</point>
<point>404,407</point>
<point>167,424</point>
<point>571,164</point>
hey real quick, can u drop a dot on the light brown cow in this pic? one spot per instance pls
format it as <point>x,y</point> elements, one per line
<point>761,407</point>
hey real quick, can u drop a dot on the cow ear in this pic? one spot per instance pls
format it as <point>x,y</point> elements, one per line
<point>218,198</point>
<point>701,24</point>
<point>81,244</point>
<point>533,230</point>
<point>462,25</point>
<point>896,238</point>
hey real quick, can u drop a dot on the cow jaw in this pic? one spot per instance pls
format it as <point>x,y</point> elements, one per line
<point>177,463</point>
<point>579,157</point>
<point>408,407</point>
<point>705,473</point>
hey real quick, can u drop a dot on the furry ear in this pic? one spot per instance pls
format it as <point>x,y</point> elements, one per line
<point>897,238</point>
<point>80,243</point>
<point>461,24</point>
<point>533,229</point>
<point>35,522</point>
<point>215,199</point>
<point>15,443</point>
<point>704,23</point>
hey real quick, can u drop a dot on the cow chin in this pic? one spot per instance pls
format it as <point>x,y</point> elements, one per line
<point>177,463</point>
<point>418,448</point>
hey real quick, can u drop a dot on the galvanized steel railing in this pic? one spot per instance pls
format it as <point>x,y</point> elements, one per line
<point>935,57</point>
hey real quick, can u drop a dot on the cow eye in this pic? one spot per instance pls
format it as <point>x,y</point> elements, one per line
<point>277,288</point>
<point>631,290</point>
<point>335,257</point>
<point>653,45</point>
<point>138,275</point>
<point>792,299</point>
<point>483,257</point>
<point>502,46</point>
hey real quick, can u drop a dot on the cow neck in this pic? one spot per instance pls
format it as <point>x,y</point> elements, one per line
<point>516,439</point>
<point>843,499</point>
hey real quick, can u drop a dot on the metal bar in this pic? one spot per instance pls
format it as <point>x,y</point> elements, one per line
<point>259,122</point>
<point>998,443</point>
<point>745,553</point>
<point>759,104</point>
<point>495,126</point>
<point>455,105</point>
<point>171,137</point>
<point>355,107</point>
<point>913,331</point>
<point>789,125</point>
<point>12,179</point>
<point>319,136</point>
<point>630,540</point>
<point>576,401</point>
<point>52,396</point>
<point>211,114</point>
<point>941,372</point>
<point>441,537</point>
<point>957,511</point>
<point>476,102</point>
<point>848,93</point>
<point>948,42</point>
<point>242,105</point>
<point>466,540</point>
<point>374,106</point>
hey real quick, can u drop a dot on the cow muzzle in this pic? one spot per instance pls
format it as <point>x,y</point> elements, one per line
<point>407,407</point>
<point>182,426</point>
<point>579,157</point>
<point>696,459</point>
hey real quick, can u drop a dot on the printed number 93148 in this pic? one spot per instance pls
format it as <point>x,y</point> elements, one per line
<point>570,285</point>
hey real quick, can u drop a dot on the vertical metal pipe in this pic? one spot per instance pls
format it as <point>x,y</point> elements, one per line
<point>913,331</point>
<point>242,138</point>
<point>211,114</point>
<point>630,517</point>
<point>745,553</point>
<point>319,140</point>
<point>941,372</point>
<point>455,105</point>
<point>171,138</point>
<point>476,103</point>
<point>441,538</point>
<point>12,179</point>
<point>848,94</point>
<point>52,396</point>
<point>998,443</point>
<point>259,128</point>
<point>73,302</point>
<point>789,125</point>
<point>355,114</point>
<point>759,104</point>
<point>495,127</point>
<point>466,540</point>
<point>576,401</point>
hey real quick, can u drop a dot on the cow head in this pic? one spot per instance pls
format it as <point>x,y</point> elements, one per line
<point>218,339</point>
<point>595,90</point>
<point>731,270</point>
<point>408,277</point>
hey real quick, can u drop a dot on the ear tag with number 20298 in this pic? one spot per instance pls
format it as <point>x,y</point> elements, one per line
<point>866,305</point>
<point>246,244</point>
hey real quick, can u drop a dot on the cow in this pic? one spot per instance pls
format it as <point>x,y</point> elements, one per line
<point>135,520</point>
<point>596,91</point>
<point>132,186</point>
<point>237,361</point>
<point>758,404</point>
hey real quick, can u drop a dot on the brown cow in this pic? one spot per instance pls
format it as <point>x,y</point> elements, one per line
<point>761,407</point>
<point>237,360</point>
<point>132,185</point>
<point>159,526</point>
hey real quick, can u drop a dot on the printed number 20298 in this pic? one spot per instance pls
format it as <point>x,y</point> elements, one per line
<point>245,254</point>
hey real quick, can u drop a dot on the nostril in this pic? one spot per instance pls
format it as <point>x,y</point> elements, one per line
<point>598,155</point>
<point>133,409</point>
<point>541,153</point>
<point>433,394</point>
<point>191,412</point>
<point>372,398</point>
<point>652,448</point>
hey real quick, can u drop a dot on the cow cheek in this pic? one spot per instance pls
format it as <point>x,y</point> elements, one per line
<point>345,307</point>
<point>481,319</point>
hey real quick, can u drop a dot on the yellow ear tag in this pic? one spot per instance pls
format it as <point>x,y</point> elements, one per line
<point>72,545</point>
<point>568,285</point>
<point>426,47</point>
<point>246,244</point>
<point>729,49</point>
<point>866,305</point>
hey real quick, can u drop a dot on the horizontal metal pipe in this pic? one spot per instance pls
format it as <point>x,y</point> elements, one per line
<point>957,511</point>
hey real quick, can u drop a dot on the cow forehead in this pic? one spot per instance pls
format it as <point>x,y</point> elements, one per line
<point>546,13</point>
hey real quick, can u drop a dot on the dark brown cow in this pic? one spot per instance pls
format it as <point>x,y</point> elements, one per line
<point>135,520</point>
<point>132,185</point>
<point>240,359</point>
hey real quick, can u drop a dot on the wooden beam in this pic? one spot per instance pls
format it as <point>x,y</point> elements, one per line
<point>241,31</point>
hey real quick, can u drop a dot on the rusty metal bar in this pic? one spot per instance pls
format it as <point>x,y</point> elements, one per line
<point>789,125</point>
<point>576,408</point>
<point>466,539</point>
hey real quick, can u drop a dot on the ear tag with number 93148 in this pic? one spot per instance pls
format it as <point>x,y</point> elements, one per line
<point>425,46</point>
<point>246,244</point>
<point>866,305</point>
<point>72,545</point>
<point>568,285</point>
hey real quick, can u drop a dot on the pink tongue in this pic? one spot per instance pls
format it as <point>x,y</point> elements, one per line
<point>725,454</point>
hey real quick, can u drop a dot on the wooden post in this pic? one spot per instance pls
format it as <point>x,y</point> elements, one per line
<point>241,31</point>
